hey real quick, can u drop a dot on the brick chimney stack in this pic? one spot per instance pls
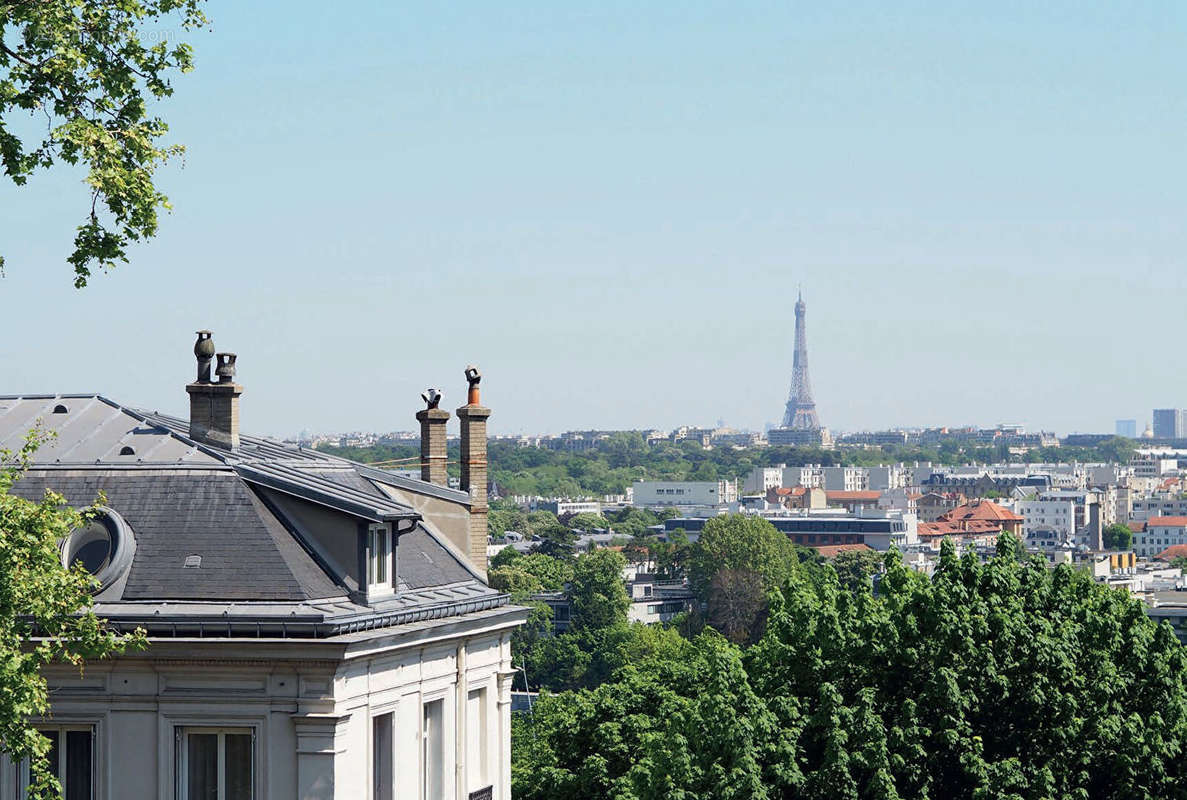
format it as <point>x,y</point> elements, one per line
<point>214,407</point>
<point>473,417</point>
<point>432,439</point>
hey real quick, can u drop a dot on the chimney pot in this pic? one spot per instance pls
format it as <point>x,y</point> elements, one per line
<point>204,351</point>
<point>226,367</point>
<point>473,377</point>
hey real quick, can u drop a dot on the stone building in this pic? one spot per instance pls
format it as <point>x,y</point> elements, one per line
<point>317,628</point>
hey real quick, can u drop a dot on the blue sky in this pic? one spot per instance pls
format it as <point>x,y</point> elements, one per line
<point>609,207</point>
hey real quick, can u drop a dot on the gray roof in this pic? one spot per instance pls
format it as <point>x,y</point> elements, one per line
<point>182,499</point>
<point>246,553</point>
<point>90,429</point>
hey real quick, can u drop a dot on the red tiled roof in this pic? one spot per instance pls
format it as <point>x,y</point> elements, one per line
<point>867,496</point>
<point>1136,527</point>
<point>1172,552</point>
<point>831,550</point>
<point>975,527</point>
<point>794,491</point>
<point>1166,522</point>
<point>981,510</point>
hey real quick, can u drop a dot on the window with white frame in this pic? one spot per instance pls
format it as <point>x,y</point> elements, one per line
<point>380,566</point>
<point>71,759</point>
<point>215,763</point>
<point>476,740</point>
<point>433,750</point>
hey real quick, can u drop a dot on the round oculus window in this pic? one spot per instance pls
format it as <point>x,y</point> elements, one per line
<point>104,547</point>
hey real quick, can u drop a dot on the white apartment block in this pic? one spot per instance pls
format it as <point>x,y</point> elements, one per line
<point>846,479</point>
<point>683,493</point>
<point>810,476</point>
<point>762,478</point>
<point>1047,523</point>
<point>892,476</point>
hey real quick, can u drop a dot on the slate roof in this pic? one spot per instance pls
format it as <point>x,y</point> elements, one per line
<point>182,499</point>
<point>246,554</point>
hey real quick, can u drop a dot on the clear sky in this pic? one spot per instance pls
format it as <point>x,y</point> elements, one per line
<point>608,206</point>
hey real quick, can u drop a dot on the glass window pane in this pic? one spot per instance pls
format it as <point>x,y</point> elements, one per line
<point>434,749</point>
<point>202,766</point>
<point>239,767</point>
<point>381,571</point>
<point>78,765</point>
<point>381,757</point>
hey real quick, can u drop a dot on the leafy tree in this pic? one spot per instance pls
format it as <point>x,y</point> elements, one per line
<point>1117,537</point>
<point>855,568</point>
<point>587,522</point>
<point>39,598</point>
<point>736,562</point>
<point>632,521</point>
<point>1004,679</point>
<point>671,557</point>
<point>555,542</point>
<point>737,604</point>
<point>503,558</point>
<point>597,592</point>
<point>682,724</point>
<point>523,575</point>
<point>91,68</point>
<point>979,680</point>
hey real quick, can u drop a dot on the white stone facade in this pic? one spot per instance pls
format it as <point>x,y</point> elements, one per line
<point>684,493</point>
<point>342,718</point>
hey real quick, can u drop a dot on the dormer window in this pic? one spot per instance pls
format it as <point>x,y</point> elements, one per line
<point>380,560</point>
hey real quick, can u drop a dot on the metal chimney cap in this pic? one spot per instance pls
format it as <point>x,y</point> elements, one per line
<point>226,367</point>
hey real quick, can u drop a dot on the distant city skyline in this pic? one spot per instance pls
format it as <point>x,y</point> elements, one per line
<point>609,208</point>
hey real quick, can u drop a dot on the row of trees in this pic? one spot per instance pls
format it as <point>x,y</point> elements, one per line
<point>625,457</point>
<point>1004,679</point>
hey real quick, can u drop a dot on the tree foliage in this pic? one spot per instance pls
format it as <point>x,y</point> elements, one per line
<point>91,68</point>
<point>737,561</point>
<point>1117,537</point>
<point>597,593</point>
<point>45,614</point>
<point>1004,679</point>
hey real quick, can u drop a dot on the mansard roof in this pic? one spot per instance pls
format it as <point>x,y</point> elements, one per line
<point>215,548</point>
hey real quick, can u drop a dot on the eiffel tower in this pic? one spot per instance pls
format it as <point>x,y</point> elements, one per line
<point>801,408</point>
